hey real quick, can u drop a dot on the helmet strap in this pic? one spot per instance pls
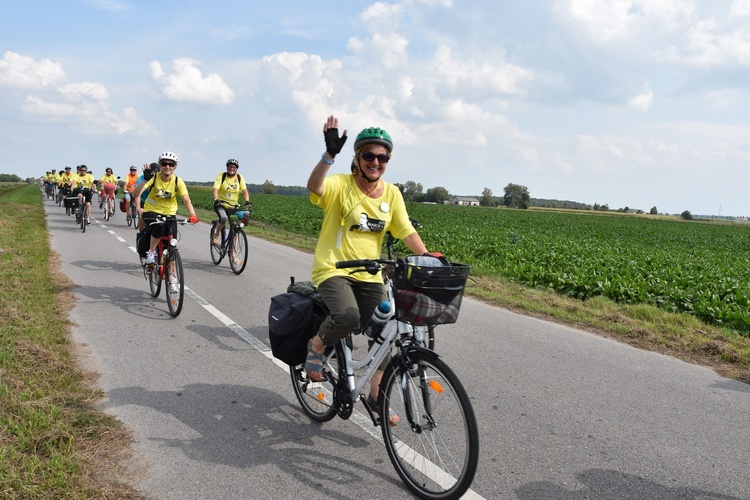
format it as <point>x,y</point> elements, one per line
<point>362,172</point>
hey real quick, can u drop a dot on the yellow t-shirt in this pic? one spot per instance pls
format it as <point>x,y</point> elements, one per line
<point>230,188</point>
<point>65,178</point>
<point>108,178</point>
<point>162,199</point>
<point>84,181</point>
<point>354,226</point>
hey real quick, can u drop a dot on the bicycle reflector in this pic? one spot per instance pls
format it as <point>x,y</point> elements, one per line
<point>435,385</point>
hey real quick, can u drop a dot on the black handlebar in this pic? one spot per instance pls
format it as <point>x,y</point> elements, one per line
<point>372,266</point>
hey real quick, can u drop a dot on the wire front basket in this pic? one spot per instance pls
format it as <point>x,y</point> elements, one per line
<point>429,290</point>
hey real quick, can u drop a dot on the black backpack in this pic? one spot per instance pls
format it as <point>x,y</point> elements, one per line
<point>293,319</point>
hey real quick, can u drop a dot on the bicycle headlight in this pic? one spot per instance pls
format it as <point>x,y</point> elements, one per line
<point>173,242</point>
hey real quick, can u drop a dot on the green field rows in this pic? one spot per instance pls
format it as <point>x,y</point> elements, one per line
<point>688,267</point>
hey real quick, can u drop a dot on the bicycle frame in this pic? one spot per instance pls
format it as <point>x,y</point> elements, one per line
<point>355,382</point>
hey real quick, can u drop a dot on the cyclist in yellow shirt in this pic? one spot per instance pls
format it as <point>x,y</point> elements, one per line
<point>358,208</point>
<point>107,178</point>
<point>227,188</point>
<point>84,181</point>
<point>163,190</point>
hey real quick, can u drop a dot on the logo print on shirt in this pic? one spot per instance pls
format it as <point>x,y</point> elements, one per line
<point>368,225</point>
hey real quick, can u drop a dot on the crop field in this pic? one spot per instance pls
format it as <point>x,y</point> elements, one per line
<point>694,267</point>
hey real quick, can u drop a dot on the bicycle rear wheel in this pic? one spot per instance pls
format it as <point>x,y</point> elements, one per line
<point>216,253</point>
<point>436,456</point>
<point>316,398</point>
<point>238,250</point>
<point>174,282</point>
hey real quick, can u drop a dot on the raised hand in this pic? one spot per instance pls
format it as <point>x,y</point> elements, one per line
<point>334,143</point>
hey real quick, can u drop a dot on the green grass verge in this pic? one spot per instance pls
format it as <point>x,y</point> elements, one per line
<point>53,443</point>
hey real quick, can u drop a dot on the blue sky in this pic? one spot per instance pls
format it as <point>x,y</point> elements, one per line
<point>625,103</point>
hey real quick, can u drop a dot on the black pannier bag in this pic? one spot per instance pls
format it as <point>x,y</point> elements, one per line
<point>293,319</point>
<point>143,242</point>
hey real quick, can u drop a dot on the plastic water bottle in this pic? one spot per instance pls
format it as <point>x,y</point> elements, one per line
<point>379,318</point>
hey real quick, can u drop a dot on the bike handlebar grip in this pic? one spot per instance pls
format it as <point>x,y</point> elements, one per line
<point>350,263</point>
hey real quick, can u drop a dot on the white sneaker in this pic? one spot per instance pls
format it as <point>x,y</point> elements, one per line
<point>174,287</point>
<point>150,257</point>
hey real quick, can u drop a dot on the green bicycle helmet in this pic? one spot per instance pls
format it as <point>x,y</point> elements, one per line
<point>373,135</point>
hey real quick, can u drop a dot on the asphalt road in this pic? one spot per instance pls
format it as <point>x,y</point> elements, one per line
<point>563,414</point>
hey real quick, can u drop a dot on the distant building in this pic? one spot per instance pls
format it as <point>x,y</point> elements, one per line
<point>465,200</point>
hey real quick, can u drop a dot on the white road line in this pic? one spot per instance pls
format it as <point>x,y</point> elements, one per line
<point>357,418</point>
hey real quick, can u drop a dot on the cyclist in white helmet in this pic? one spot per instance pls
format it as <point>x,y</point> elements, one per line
<point>161,200</point>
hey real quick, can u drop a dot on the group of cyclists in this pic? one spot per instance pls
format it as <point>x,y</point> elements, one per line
<point>153,193</point>
<point>67,185</point>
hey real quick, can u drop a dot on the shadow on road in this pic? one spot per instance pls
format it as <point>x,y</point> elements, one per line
<point>613,485</point>
<point>245,426</point>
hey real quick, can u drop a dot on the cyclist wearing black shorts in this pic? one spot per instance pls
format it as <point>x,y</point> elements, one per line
<point>161,200</point>
<point>84,182</point>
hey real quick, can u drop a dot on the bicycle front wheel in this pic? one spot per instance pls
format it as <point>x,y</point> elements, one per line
<point>435,446</point>
<point>175,282</point>
<point>216,254</point>
<point>238,250</point>
<point>83,219</point>
<point>106,211</point>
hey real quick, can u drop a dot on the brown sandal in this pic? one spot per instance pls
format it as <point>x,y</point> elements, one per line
<point>314,370</point>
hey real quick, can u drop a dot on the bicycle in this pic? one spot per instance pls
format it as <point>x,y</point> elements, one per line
<point>85,209</point>
<point>131,216</point>
<point>109,200</point>
<point>59,195</point>
<point>167,268</point>
<point>233,240</point>
<point>436,450</point>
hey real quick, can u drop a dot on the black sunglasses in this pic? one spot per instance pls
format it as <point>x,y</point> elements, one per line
<point>167,164</point>
<point>370,156</point>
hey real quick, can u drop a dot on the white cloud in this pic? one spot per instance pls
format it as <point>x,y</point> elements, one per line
<point>82,90</point>
<point>24,72</point>
<point>489,73</point>
<point>740,8</point>
<point>603,20</point>
<point>81,105</point>
<point>712,44</point>
<point>308,79</point>
<point>643,100</point>
<point>187,83</point>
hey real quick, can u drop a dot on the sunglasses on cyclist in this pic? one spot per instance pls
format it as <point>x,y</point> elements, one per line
<point>167,164</point>
<point>370,156</point>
